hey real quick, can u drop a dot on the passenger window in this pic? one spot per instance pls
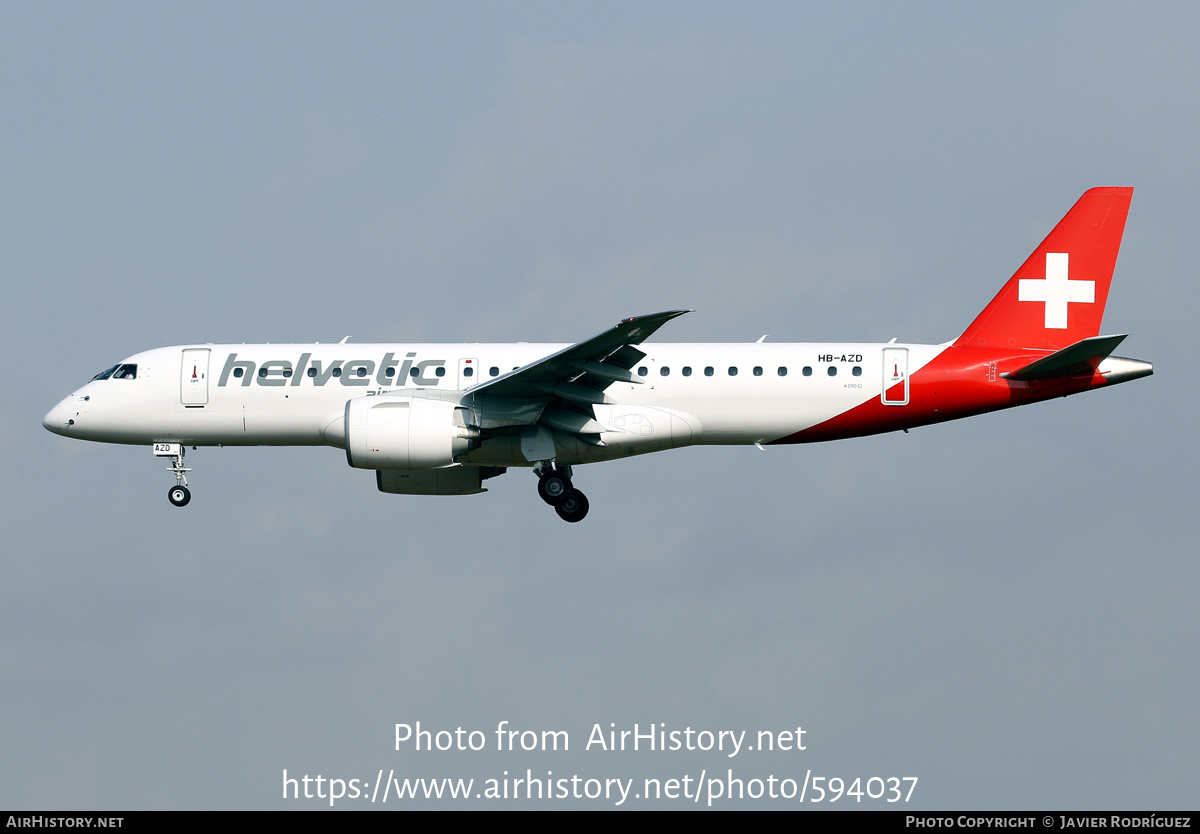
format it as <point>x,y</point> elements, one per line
<point>262,373</point>
<point>642,371</point>
<point>758,370</point>
<point>389,373</point>
<point>311,371</point>
<point>782,371</point>
<point>361,371</point>
<point>493,371</point>
<point>664,371</point>
<point>414,373</point>
<point>857,371</point>
<point>807,371</point>
<point>287,372</point>
<point>440,371</point>
<point>337,372</point>
<point>732,370</point>
<point>687,370</point>
<point>237,372</point>
<point>468,371</point>
<point>708,371</point>
<point>832,370</point>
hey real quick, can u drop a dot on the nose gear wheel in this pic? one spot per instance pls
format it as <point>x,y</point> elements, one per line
<point>179,495</point>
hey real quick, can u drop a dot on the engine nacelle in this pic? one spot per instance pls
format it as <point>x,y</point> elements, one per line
<point>406,433</point>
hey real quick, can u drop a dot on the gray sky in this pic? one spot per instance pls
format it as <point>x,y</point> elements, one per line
<point>1003,607</point>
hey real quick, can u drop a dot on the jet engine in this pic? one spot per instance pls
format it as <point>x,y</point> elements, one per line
<point>386,432</point>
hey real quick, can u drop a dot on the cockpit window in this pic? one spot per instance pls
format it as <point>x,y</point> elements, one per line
<point>106,374</point>
<point>125,372</point>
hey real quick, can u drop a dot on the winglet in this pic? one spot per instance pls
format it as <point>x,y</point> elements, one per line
<point>638,329</point>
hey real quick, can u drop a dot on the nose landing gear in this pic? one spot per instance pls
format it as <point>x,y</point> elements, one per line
<point>179,495</point>
<point>554,487</point>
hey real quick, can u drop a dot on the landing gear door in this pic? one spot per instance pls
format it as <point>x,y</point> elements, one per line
<point>193,378</point>
<point>468,373</point>
<point>895,376</point>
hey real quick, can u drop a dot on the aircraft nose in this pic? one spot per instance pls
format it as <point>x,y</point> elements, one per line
<point>56,419</point>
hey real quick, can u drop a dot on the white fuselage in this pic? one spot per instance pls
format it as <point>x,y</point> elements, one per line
<point>282,395</point>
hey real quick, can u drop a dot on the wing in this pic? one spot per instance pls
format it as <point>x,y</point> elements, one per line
<point>581,372</point>
<point>556,393</point>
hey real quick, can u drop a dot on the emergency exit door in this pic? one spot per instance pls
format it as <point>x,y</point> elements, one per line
<point>468,373</point>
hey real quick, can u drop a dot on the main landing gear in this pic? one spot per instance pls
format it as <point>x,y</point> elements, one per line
<point>554,486</point>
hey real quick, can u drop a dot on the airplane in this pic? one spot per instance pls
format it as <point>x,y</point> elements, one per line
<point>440,419</point>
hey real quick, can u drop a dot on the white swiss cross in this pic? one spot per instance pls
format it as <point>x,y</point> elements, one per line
<point>1056,290</point>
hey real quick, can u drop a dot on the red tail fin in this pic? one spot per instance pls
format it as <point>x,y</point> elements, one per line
<point>1057,297</point>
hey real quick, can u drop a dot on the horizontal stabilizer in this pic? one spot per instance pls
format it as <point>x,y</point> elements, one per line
<point>1080,358</point>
